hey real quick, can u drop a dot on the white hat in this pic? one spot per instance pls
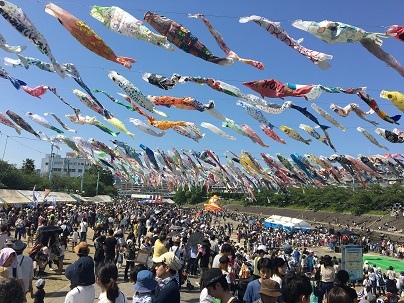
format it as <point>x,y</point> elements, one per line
<point>40,282</point>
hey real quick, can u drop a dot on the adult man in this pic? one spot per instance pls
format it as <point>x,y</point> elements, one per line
<point>225,250</point>
<point>25,268</point>
<point>81,276</point>
<point>296,289</point>
<point>265,270</point>
<point>83,230</point>
<point>130,255</point>
<point>110,247</point>
<point>159,246</point>
<point>166,267</point>
<point>3,235</point>
<point>216,284</point>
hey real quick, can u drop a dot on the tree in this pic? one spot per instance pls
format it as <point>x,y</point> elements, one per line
<point>28,166</point>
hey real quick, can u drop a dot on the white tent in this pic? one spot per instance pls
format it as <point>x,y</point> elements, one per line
<point>287,223</point>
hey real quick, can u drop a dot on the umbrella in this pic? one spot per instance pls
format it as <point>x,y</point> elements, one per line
<point>161,222</point>
<point>175,227</point>
<point>195,238</point>
<point>51,229</point>
<point>173,233</point>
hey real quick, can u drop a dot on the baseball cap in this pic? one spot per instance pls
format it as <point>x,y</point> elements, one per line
<point>170,259</point>
<point>40,282</point>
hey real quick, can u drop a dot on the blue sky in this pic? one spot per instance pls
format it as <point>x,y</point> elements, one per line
<point>352,66</point>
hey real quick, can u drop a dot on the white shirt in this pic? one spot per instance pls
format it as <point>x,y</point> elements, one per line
<point>204,296</point>
<point>83,227</point>
<point>3,238</point>
<point>26,270</point>
<point>121,298</point>
<point>75,236</point>
<point>81,294</point>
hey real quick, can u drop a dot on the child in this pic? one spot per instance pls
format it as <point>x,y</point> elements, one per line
<point>39,295</point>
<point>75,238</point>
<point>30,234</point>
<point>61,257</point>
<point>144,287</point>
<point>120,256</point>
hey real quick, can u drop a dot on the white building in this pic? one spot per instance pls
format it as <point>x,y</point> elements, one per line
<point>70,165</point>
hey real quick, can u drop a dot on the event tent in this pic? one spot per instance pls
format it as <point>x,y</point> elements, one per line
<point>288,223</point>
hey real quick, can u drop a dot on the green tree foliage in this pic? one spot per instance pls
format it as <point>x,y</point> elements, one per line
<point>28,166</point>
<point>13,178</point>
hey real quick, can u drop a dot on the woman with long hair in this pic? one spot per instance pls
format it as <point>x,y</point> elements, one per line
<point>325,275</point>
<point>106,277</point>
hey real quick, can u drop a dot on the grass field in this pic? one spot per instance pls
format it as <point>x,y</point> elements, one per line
<point>385,262</point>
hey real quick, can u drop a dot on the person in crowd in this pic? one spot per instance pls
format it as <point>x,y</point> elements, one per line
<point>203,256</point>
<point>391,274</point>
<point>296,289</point>
<point>160,245</point>
<point>166,267</point>
<point>279,272</point>
<point>106,277</point>
<point>224,267</point>
<point>75,237</point>
<point>81,276</point>
<point>130,254</point>
<point>144,287</point>
<point>392,292</point>
<point>11,291</point>
<point>8,262</point>
<point>225,250</point>
<point>83,230</point>
<point>111,247</point>
<point>216,284</point>
<point>25,267</point>
<point>4,235</point>
<point>380,281</point>
<point>338,295</point>
<point>133,276</point>
<point>261,252</point>
<point>39,295</point>
<point>372,279</point>
<point>325,275</point>
<point>61,257</point>
<point>265,269</point>
<point>341,280</point>
<point>269,291</point>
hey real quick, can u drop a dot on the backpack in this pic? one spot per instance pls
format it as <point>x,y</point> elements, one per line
<point>130,251</point>
<point>242,286</point>
<point>99,253</point>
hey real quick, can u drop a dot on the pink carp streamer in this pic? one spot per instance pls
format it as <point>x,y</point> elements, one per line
<point>223,45</point>
<point>274,28</point>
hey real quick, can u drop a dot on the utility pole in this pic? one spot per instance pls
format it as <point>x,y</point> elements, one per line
<point>98,181</point>
<point>51,162</point>
<point>82,178</point>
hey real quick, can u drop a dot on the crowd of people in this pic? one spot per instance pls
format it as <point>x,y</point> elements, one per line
<point>157,248</point>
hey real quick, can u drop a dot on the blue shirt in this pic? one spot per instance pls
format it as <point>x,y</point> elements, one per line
<point>252,292</point>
